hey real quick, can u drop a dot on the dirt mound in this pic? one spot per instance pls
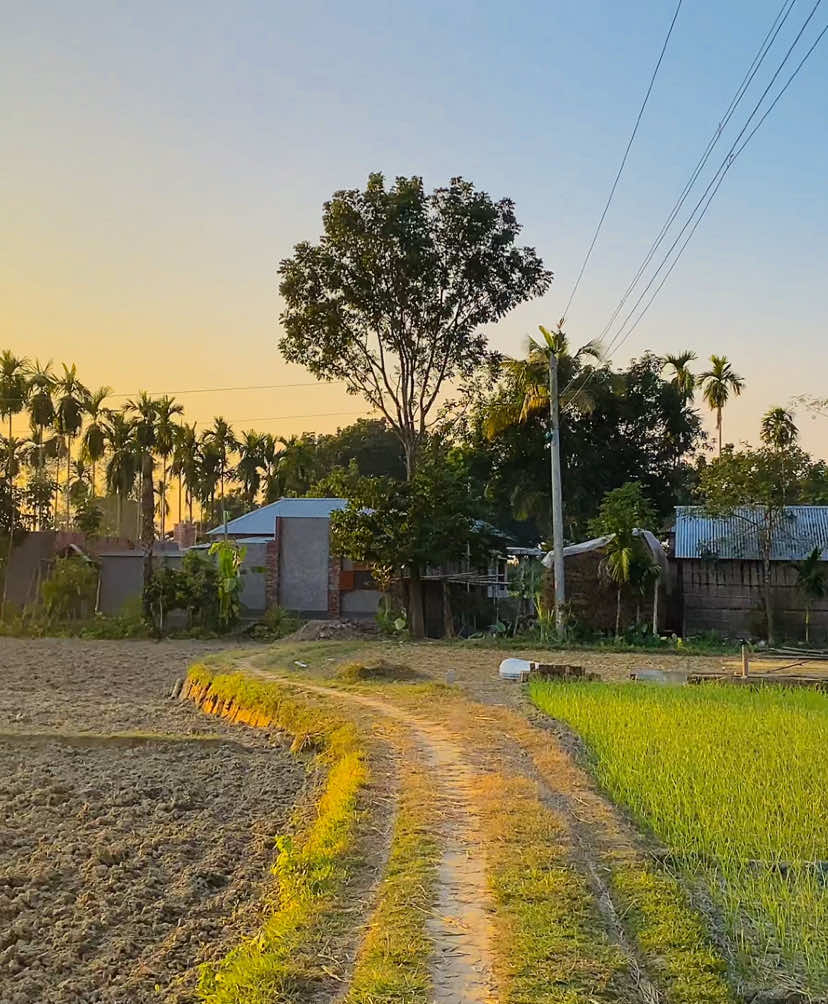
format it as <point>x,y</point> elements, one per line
<point>341,630</point>
<point>357,672</point>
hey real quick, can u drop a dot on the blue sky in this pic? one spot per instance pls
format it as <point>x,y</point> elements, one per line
<point>159,160</point>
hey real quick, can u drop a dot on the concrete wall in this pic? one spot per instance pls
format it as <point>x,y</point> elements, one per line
<point>303,564</point>
<point>728,597</point>
<point>253,581</point>
<point>122,578</point>
<point>360,603</point>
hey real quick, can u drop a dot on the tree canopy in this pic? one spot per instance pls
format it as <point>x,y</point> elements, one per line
<point>392,299</point>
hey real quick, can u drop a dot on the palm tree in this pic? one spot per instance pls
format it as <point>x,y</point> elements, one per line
<point>69,407</point>
<point>295,465</point>
<point>122,468</point>
<point>185,464</point>
<point>682,378</point>
<point>779,430</point>
<point>146,414</point>
<point>222,439</point>
<point>617,567</point>
<point>527,380</point>
<point>209,472</point>
<point>94,438</point>
<point>14,385</point>
<point>811,583</point>
<point>251,461</point>
<point>14,452</point>
<point>41,405</point>
<point>717,384</point>
<point>165,433</point>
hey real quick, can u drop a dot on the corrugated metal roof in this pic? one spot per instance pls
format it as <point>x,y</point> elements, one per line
<point>803,528</point>
<point>262,522</point>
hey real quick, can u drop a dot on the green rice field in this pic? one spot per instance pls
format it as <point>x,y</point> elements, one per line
<point>734,782</point>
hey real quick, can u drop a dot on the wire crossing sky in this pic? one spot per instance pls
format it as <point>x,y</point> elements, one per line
<point>159,160</point>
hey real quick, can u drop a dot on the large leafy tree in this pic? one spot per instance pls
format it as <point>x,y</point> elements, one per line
<point>752,488</point>
<point>430,519</point>
<point>626,425</point>
<point>392,299</point>
<point>717,384</point>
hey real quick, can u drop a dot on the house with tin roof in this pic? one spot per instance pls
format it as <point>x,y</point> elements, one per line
<point>289,545</point>
<point>719,566</point>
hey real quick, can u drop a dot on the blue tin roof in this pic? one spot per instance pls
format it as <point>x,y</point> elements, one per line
<point>262,522</point>
<point>802,528</point>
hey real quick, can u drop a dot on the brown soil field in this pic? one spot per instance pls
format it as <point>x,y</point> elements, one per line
<point>135,832</point>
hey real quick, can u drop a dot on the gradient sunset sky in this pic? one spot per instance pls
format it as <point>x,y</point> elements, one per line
<point>159,159</point>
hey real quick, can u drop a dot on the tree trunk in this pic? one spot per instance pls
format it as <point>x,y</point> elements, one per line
<point>766,582</point>
<point>163,498</point>
<point>807,623</point>
<point>68,478</point>
<point>448,619</point>
<point>179,498</point>
<point>655,608</point>
<point>416,620</point>
<point>618,613</point>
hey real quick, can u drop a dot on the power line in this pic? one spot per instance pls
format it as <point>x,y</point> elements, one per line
<point>212,390</point>
<point>753,69</point>
<point>623,162</point>
<point>713,186</point>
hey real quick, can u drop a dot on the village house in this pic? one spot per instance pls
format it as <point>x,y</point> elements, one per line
<point>720,574</point>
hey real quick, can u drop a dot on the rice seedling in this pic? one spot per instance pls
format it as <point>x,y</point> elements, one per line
<point>735,783</point>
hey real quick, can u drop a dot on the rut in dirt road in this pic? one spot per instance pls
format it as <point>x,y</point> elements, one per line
<point>460,924</point>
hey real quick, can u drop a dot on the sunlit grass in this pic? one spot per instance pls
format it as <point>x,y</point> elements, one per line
<point>279,963</point>
<point>735,783</point>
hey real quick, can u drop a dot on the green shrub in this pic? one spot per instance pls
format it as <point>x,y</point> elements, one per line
<point>69,592</point>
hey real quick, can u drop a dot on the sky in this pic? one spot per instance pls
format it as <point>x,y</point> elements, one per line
<point>157,161</point>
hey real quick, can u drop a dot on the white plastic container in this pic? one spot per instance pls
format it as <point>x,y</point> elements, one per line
<point>514,669</point>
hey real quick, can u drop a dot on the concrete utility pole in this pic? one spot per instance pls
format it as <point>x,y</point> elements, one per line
<point>557,496</point>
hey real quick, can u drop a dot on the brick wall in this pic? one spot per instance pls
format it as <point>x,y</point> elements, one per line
<point>334,594</point>
<point>272,568</point>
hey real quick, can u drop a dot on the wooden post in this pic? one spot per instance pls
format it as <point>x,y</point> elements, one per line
<point>745,661</point>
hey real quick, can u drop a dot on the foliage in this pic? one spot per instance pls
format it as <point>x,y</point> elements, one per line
<point>751,827</point>
<point>626,425</point>
<point>229,557</point>
<point>811,582</point>
<point>408,526</point>
<point>392,299</point>
<point>717,384</point>
<point>69,591</point>
<point>753,487</point>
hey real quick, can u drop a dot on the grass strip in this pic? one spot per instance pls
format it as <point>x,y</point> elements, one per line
<point>735,782</point>
<point>393,963</point>
<point>279,964</point>
<point>550,945</point>
<point>670,936</point>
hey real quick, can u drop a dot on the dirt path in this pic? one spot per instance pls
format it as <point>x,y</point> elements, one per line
<point>460,926</point>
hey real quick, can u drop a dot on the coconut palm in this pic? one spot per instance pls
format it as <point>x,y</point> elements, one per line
<point>810,581</point>
<point>717,384</point>
<point>185,464</point>
<point>122,468</point>
<point>224,442</point>
<point>71,396</point>
<point>527,380</point>
<point>682,377</point>
<point>617,568</point>
<point>165,432</point>
<point>94,436</point>
<point>778,430</point>
<point>251,462</point>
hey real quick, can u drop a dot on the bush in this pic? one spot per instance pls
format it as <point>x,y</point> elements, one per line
<point>69,592</point>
